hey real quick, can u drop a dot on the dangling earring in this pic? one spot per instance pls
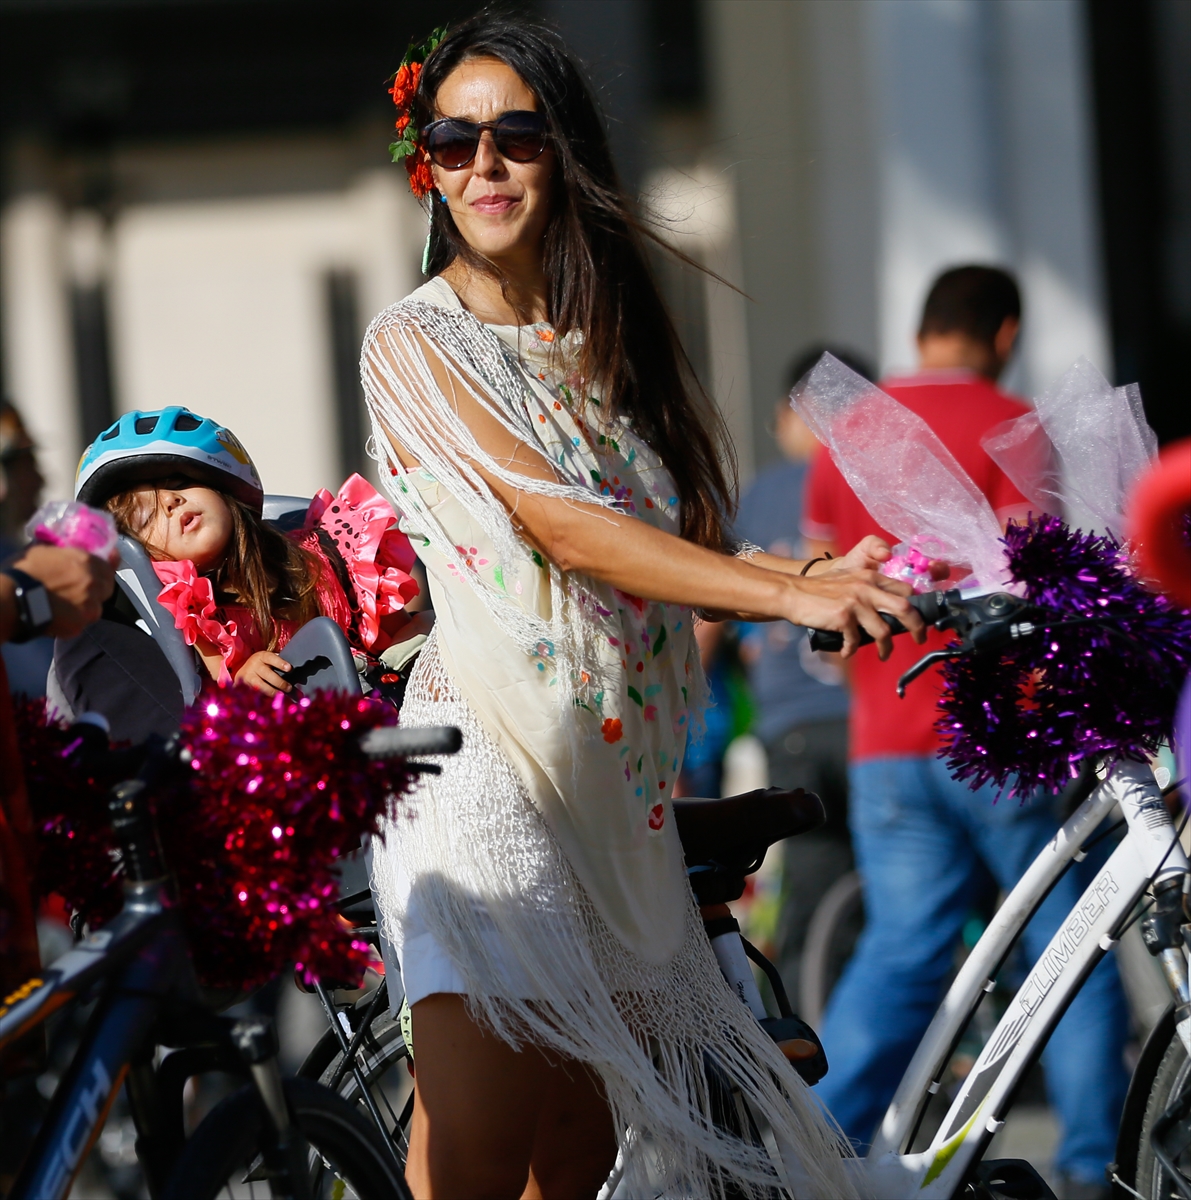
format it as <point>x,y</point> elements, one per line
<point>426,248</point>
<point>442,198</point>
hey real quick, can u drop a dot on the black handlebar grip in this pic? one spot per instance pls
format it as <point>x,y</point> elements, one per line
<point>928,604</point>
<point>396,742</point>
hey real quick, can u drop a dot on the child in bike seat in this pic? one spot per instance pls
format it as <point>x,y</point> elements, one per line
<point>238,587</point>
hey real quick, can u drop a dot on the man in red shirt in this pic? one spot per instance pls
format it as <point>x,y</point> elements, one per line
<point>925,843</point>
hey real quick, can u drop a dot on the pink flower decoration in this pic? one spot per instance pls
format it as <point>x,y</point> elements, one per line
<point>190,599</point>
<point>378,557</point>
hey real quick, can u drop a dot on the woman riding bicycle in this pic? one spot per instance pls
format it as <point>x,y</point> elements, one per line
<point>542,434</point>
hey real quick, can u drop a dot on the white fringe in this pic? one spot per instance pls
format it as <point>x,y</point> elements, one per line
<point>496,890</point>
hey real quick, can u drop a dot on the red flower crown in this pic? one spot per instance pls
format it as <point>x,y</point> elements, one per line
<point>405,87</point>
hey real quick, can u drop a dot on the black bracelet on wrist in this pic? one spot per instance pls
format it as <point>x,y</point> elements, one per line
<point>34,611</point>
<point>821,558</point>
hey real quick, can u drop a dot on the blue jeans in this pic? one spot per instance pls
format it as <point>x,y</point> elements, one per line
<point>920,839</point>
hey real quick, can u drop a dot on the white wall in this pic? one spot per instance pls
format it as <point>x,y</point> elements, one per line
<point>217,304</point>
<point>984,153</point>
<point>872,144</point>
<point>38,355</point>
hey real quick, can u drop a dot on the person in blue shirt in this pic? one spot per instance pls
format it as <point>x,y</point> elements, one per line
<point>800,697</point>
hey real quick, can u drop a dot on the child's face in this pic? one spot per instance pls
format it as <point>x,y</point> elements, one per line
<point>184,522</point>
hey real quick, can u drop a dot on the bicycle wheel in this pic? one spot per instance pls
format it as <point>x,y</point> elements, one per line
<point>1160,1088</point>
<point>1161,1080</point>
<point>382,1060</point>
<point>347,1161</point>
<point>831,937</point>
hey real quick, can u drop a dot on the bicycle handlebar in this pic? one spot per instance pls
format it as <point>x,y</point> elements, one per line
<point>929,605</point>
<point>150,762</point>
<point>983,620</point>
<point>394,741</point>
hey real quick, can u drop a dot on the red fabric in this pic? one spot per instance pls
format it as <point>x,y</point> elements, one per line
<point>1157,521</point>
<point>378,558</point>
<point>19,959</point>
<point>376,554</point>
<point>960,408</point>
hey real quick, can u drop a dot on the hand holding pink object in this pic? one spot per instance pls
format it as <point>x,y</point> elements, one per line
<point>916,562</point>
<point>69,523</point>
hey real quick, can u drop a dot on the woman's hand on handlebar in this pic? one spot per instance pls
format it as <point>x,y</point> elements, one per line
<point>848,599</point>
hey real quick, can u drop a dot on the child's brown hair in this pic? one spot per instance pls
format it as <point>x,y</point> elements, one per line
<point>262,570</point>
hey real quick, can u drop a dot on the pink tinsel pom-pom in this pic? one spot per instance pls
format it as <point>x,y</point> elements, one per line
<point>276,794</point>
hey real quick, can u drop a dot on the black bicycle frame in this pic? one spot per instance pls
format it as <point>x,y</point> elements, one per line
<point>140,964</point>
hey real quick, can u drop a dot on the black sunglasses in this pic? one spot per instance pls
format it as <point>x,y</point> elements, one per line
<point>452,143</point>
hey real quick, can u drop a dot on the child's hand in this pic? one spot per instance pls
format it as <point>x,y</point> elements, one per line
<point>261,672</point>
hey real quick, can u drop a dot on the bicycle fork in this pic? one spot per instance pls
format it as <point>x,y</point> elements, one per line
<point>1166,933</point>
<point>256,1040</point>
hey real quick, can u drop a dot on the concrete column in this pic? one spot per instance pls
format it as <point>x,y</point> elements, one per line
<point>38,356</point>
<point>984,155</point>
<point>1045,102</point>
<point>936,155</point>
<point>757,63</point>
<point>844,173</point>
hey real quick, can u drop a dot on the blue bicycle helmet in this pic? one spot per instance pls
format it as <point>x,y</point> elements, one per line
<point>143,446</point>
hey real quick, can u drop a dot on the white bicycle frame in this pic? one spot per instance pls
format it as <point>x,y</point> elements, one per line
<point>1150,852</point>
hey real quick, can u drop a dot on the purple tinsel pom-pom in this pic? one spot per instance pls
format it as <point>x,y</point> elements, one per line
<point>1033,713</point>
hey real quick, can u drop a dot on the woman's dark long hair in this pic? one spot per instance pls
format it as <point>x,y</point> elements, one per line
<point>600,283</point>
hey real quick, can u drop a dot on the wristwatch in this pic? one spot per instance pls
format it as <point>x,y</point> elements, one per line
<point>34,611</point>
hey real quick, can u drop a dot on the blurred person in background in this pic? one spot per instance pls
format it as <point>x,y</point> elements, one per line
<point>44,591</point>
<point>800,697</point>
<point>21,484</point>
<point>729,714</point>
<point>922,839</point>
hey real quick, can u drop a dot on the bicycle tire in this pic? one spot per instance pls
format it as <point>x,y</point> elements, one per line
<point>831,936</point>
<point>220,1157</point>
<point>383,1060</point>
<point>1163,1073</point>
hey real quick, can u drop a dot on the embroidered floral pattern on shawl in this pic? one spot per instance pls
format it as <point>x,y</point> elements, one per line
<point>620,674</point>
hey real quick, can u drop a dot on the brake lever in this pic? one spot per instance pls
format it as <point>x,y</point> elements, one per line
<point>999,620</point>
<point>928,660</point>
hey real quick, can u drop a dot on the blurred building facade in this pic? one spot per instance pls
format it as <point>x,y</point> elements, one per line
<point>197,207</point>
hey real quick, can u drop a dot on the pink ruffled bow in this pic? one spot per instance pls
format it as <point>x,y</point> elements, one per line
<point>190,600</point>
<point>377,555</point>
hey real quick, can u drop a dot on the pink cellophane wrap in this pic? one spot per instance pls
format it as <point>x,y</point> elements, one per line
<point>1080,451</point>
<point>902,473</point>
<point>69,523</point>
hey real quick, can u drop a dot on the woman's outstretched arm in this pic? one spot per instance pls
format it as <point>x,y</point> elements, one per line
<point>637,558</point>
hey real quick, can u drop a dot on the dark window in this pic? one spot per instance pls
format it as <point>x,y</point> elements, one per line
<point>341,291</point>
<point>1141,61</point>
<point>677,71</point>
<point>92,358</point>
